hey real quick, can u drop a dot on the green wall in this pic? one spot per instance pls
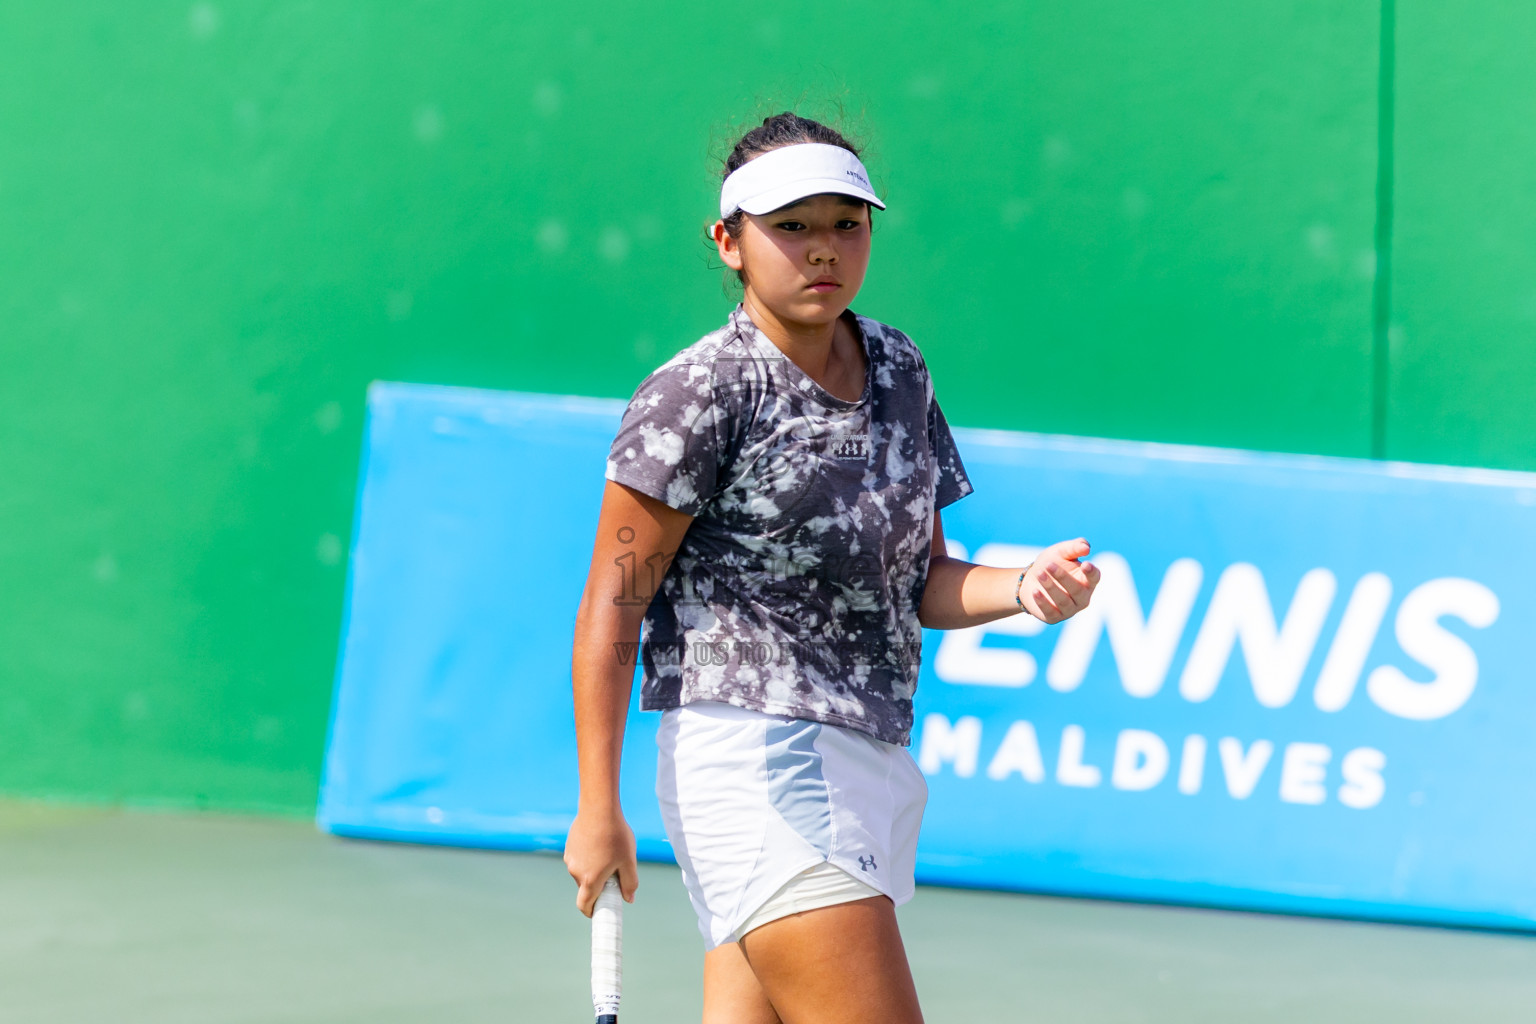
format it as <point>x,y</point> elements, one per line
<point>220,221</point>
<point>1463,342</point>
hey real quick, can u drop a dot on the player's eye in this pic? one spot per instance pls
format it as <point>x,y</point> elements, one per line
<point>850,225</point>
<point>791,225</point>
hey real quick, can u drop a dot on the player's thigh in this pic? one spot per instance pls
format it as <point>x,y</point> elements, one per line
<point>732,994</point>
<point>843,964</point>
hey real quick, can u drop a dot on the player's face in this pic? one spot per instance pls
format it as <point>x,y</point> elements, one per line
<point>804,262</point>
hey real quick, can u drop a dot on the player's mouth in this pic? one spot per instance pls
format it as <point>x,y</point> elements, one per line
<point>823,285</point>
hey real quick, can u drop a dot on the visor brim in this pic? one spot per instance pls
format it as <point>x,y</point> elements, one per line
<point>793,192</point>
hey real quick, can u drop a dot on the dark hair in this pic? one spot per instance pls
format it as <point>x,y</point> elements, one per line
<point>786,129</point>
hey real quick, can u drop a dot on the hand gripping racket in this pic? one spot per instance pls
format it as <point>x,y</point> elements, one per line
<point>608,952</point>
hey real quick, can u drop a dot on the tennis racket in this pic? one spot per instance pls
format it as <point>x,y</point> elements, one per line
<point>608,952</point>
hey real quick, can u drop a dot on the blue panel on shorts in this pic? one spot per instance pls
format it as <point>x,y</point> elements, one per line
<point>796,786</point>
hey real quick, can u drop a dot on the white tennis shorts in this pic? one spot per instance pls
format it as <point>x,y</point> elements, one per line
<point>752,800</point>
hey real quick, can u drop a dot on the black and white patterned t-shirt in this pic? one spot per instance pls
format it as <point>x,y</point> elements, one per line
<point>795,590</point>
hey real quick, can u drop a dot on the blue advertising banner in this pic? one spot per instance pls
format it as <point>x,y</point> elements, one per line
<point>1302,685</point>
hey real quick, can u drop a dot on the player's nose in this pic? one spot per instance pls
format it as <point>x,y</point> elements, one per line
<point>822,252</point>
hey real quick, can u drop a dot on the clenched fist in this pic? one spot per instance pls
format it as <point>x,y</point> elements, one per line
<point>1059,584</point>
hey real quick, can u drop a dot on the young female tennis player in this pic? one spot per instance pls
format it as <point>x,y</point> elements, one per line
<point>771,526</point>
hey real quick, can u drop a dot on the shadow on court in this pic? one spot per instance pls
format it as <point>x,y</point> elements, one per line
<point>132,916</point>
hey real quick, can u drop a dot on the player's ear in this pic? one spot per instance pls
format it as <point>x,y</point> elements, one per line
<point>730,250</point>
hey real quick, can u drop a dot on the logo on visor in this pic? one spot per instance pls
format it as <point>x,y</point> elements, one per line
<point>856,176</point>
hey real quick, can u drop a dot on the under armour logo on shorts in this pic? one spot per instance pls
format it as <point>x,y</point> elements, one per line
<point>851,446</point>
<point>867,863</point>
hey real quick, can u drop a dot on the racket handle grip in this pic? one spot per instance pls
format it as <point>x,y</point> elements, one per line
<point>608,952</point>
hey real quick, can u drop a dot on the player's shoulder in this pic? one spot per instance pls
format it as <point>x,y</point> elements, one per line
<point>723,345</point>
<point>716,362</point>
<point>894,347</point>
<point>725,353</point>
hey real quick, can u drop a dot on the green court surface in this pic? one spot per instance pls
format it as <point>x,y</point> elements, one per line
<point>129,916</point>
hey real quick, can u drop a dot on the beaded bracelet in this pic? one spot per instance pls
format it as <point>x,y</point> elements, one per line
<point>1019,586</point>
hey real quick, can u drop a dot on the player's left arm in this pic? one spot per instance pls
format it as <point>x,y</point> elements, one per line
<point>959,594</point>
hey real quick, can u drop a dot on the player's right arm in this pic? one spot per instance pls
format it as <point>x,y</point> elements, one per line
<point>636,534</point>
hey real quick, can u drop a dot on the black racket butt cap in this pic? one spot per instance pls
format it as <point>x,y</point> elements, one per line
<point>608,1018</point>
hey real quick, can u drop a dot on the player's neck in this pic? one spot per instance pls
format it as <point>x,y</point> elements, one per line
<point>809,345</point>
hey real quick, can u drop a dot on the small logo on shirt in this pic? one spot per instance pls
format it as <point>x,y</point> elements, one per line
<point>867,863</point>
<point>851,446</point>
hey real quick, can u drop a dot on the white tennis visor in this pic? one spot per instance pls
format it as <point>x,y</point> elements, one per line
<point>790,173</point>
